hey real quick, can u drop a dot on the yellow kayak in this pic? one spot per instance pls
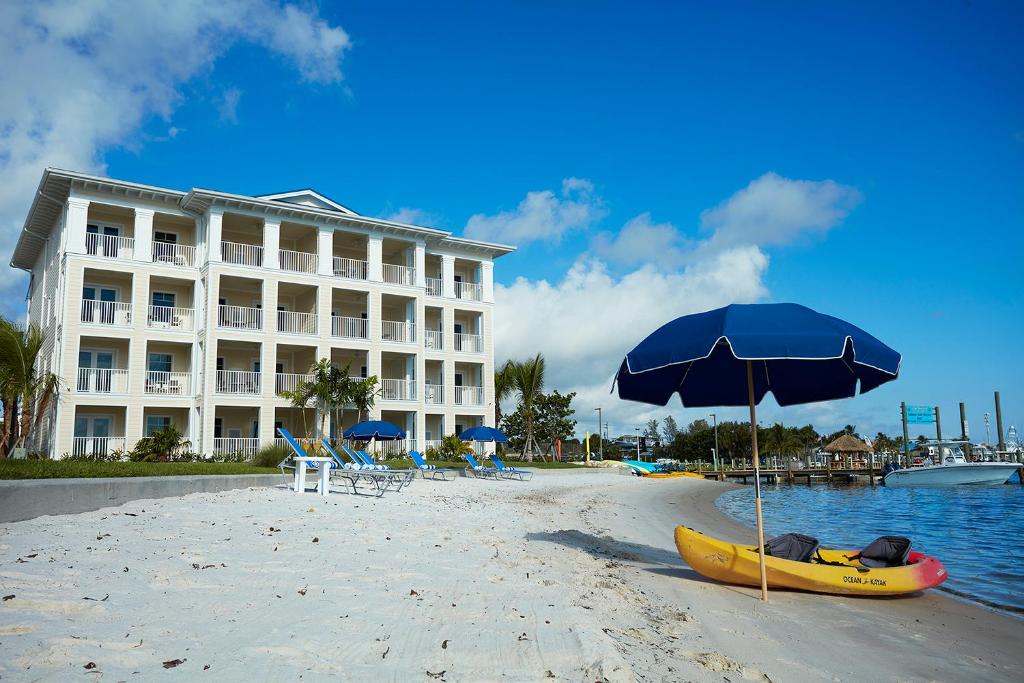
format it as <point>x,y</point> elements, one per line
<point>738,564</point>
<point>672,475</point>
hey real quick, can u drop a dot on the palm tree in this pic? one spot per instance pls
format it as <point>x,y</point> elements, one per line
<point>452,448</point>
<point>528,380</point>
<point>362,395</point>
<point>504,386</point>
<point>22,385</point>
<point>319,391</point>
<point>340,386</point>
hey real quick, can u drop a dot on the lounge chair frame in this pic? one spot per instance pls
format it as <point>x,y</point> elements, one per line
<point>508,472</point>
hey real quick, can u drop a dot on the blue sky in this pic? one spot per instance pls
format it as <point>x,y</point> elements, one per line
<point>900,128</point>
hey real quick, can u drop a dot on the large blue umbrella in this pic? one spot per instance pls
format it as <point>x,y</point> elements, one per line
<point>733,356</point>
<point>483,434</point>
<point>374,429</point>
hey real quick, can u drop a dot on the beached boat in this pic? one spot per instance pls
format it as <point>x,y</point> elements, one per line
<point>951,470</point>
<point>673,475</point>
<point>836,571</point>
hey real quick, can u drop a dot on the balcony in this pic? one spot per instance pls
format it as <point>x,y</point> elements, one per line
<point>398,331</point>
<point>241,254</point>
<point>166,317</point>
<point>238,382</point>
<point>239,317</point>
<point>469,396</point>
<point>433,339</point>
<point>469,343</point>
<point>471,291</point>
<point>298,261</point>
<point>352,269</point>
<point>398,389</point>
<point>433,394</point>
<point>285,381</point>
<point>114,313</point>
<point>349,328</point>
<point>102,381</point>
<point>292,322</point>
<point>168,383</point>
<point>109,246</point>
<point>181,255</point>
<point>399,275</point>
<point>435,286</point>
<point>96,446</point>
<point>236,446</point>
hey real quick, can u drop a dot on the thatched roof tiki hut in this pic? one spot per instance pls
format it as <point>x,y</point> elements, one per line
<point>847,445</point>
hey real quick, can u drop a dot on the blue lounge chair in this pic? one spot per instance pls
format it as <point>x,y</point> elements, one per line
<point>429,470</point>
<point>509,472</point>
<point>479,470</point>
<point>368,459</point>
<point>299,454</point>
<point>382,480</point>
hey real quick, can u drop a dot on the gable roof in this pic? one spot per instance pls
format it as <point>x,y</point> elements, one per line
<point>308,197</point>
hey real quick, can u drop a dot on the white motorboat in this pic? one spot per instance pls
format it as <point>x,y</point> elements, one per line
<point>951,470</point>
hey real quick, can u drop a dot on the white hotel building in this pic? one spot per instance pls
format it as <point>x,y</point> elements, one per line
<point>196,309</point>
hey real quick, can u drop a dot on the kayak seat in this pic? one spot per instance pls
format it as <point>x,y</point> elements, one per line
<point>884,551</point>
<point>795,547</point>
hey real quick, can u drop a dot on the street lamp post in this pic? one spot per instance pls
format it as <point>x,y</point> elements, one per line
<point>987,438</point>
<point>637,430</point>
<point>600,436</point>
<point>714,419</point>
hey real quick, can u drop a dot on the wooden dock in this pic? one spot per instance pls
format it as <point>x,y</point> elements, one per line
<point>799,475</point>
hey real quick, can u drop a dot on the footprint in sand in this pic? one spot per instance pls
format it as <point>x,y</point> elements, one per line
<point>719,663</point>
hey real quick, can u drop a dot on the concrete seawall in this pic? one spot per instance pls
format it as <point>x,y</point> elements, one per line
<point>22,499</point>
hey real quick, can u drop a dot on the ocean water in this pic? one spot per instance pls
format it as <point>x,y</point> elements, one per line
<point>977,532</point>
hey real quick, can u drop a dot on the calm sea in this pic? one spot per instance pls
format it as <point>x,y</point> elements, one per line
<point>976,531</point>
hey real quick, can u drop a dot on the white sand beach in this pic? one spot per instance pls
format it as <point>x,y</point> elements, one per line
<point>573,576</point>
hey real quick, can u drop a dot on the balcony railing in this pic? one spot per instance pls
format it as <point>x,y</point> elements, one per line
<point>181,255</point>
<point>433,394</point>
<point>399,275</point>
<point>168,383</point>
<point>469,396</point>
<point>102,381</point>
<point>162,317</point>
<point>468,290</point>
<point>398,389</point>
<point>469,343</point>
<point>236,446</point>
<point>433,339</point>
<point>239,317</point>
<point>242,254</point>
<point>96,445</point>
<point>391,449</point>
<point>435,286</point>
<point>350,328</point>
<point>285,381</point>
<point>109,246</point>
<point>350,268</point>
<point>398,331</point>
<point>298,261</point>
<point>293,322</point>
<point>116,313</point>
<point>239,382</point>
<point>431,443</point>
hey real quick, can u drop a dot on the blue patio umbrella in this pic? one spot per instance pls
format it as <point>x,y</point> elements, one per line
<point>374,429</point>
<point>483,434</point>
<point>734,356</point>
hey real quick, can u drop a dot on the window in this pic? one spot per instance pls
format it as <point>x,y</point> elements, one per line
<point>160,362</point>
<point>163,299</point>
<point>165,237</point>
<point>157,423</point>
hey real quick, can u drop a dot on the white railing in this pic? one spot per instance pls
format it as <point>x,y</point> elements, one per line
<point>169,383</point>
<point>286,381</point>
<point>433,339</point>
<point>242,254</point>
<point>399,275</point>
<point>298,261</point>
<point>353,269</point>
<point>469,290</point>
<point>434,286</point>
<point>393,449</point>
<point>238,382</point>
<point>398,389</point>
<point>353,328</point>
<point>469,396</point>
<point>174,318</point>
<point>470,343</point>
<point>97,312</point>
<point>398,331</point>
<point>433,394</point>
<point>236,446</point>
<point>174,254</point>
<point>110,246</point>
<point>239,317</point>
<point>102,381</point>
<point>96,445</point>
<point>431,443</point>
<point>294,322</point>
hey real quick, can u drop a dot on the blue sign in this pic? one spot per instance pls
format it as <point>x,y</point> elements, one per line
<point>920,414</point>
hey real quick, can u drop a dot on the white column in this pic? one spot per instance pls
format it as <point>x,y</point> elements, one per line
<point>271,245</point>
<point>144,235</point>
<point>448,276</point>
<point>325,251</point>
<point>374,257</point>
<point>420,263</point>
<point>266,418</point>
<point>487,281</point>
<point>268,376</point>
<point>78,216</point>
<point>214,221</point>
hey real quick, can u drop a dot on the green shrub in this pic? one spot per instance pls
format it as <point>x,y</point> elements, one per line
<point>271,455</point>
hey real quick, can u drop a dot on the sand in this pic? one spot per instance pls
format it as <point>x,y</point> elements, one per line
<point>573,576</point>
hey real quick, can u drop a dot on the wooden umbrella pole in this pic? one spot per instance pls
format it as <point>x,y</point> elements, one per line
<point>757,481</point>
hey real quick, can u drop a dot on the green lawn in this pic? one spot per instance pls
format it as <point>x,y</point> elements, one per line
<point>405,463</point>
<point>60,469</point>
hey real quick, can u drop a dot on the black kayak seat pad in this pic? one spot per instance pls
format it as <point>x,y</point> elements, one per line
<point>884,551</point>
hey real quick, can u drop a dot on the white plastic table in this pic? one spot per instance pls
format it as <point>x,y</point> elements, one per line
<point>325,474</point>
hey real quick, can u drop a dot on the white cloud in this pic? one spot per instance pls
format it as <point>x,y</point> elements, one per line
<point>412,216</point>
<point>81,77</point>
<point>542,215</point>
<point>642,241</point>
<point>227,109</point>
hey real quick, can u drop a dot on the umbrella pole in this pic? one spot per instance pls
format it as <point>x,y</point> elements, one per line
<point>757,481</point>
